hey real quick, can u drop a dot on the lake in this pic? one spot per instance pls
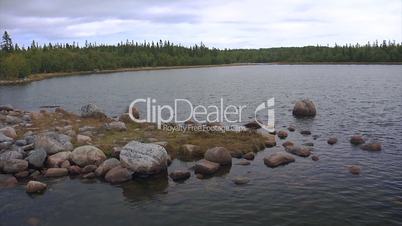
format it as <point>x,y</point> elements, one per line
<point>350,99</point>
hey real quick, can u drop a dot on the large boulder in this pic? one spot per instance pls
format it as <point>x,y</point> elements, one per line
<point>54,161</point>
<point>87,155</point>
<point>117,126</point>
<point>53,143</point>
<point>91,111</point>
<point>4,138</point>
<point>218,155</point>
<point>277,159</point>
<point>107,165</point>
<point>302,151</point>
<point>15,166</point>
<point>304,108</point>
<point>11,154</point>
<point>191,150</point>
<point>206,167</point>
<point>35,187</point>
<point>7,181</point>
<point>144,158</point>
<point>6,107</point>
<point>36,158</point>
<point>9,131</point>
<point>118,175</point>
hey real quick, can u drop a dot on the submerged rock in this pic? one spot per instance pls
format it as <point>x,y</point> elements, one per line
<point>357,140</point>
<point>371,147</point>
<point>305,132</point>
<point>206,167</point>
<point>7,181</point>
<point>35,187</point>
<point>282,134</point>
<point>241,180</point>
<point>301,151</point>
<point>118,175</point>
<point>332,140</point>
<point>218,155</point>
<point>249,156</point>
<point>291,128</point>
<point>277,159</point>
<point>315,158</point>
<point>304,108</point>
<point>354,169</point>
<point>288,144</point>
<point>87,155</point>
<point>144,158</point>
<point>180,175</point>
<point>252,125</point>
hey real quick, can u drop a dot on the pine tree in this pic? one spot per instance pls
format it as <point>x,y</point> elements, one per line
<point>7,43</point>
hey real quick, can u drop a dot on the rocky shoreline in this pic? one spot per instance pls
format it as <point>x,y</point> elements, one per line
<point>37,145</point>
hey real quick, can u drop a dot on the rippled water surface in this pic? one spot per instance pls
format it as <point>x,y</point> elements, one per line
<point>350,99</point>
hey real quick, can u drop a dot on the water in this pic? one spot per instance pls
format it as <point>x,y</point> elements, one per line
<point>350,99</point>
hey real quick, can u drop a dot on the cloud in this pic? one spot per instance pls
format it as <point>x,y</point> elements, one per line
<point>222,23</point>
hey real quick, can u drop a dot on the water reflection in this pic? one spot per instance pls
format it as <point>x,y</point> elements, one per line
<point>141,189</point>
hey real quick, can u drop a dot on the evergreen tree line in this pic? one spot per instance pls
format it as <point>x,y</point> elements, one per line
<point>17,62</point>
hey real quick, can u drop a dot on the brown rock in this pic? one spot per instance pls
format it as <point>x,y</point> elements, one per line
<point>305,132</point>
<point>9,132</point>
<point>191,150</point>
<point>88,169</point>
<point>332,140</point>
<point>74,170</point>
<point>22,174</point>
<point>7,181</point>
<point>82,139</point>
<point>252,125</point>
<point>372,147</point>
<point>241,180</point>
<point>304,108</point>
<point>353,169</point>
<point>301,151</point>
<point>66,164</point>
<point>206,167</point>
<point>117,175</point>
<point>15,165</point>
<point>56,172</point>
<point>356,140</point>
<point>243,163</point>
<point>180,175</point>
<point>249,156</point>
<point>291,128</point>
<point>315,158</point>
<point>218,155</point>
<point>288,144</point>
<point>57,159</point>
<point>277,159</point>
<point>282,134</point>
<point>35,187</point>
<point>90,175</point>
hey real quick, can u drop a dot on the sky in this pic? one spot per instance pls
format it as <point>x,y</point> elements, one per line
<point>216,23</point>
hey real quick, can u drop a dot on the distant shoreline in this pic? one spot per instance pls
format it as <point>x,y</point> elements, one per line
<point>42,76</point>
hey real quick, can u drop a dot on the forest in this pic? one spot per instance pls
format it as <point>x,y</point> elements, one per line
<point>19,62</point>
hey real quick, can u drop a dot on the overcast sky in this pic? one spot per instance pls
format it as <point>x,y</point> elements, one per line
<point>218,23</point>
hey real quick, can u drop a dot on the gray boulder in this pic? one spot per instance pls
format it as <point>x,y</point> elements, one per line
<point>57,159</point>
<point>144,158</point>
<point>118,126</point>
<point>118,175</point>
<point>15,166</point>
<point>91,111</point>
<point>36,158</point>
<point>107,165</point>
<point>277,159</point>
<point>53,143</point>
<point>218,155</point>
<point>4,138</point>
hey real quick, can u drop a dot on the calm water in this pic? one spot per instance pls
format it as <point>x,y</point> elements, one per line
<point>350,99</point>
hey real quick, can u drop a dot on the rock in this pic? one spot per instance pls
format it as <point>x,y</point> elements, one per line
<point>82,139</point>
<point>15,165</point>
<point>199,176</point>
<point>305,132</point>
<point>118,175</point>
<point>118,126</point>
<point>91,111</point>
<point>270,141</point>
<point>353,169</point>
<point>107,165</point>
<point>54,161</point>
<point>301,151</point>
<point>282,134</point>
<point>241,180</point>
<point>180,175</point>
<point>371,147</point>
<point>35,187</point>
<point>74,170</point>
<point>252,125</point>
<point>37,115</point>
<point>56,172</point>
<point>143,158</point>
<point>291,128</point>
<point>218,155</point>
<point>7,181</point>
<point>66,164</point>
<point>9,132</point>
<point>277,159</point>
<point>22,174</point>
<point>4,138</point>
<point>243,163</point>
<point>315,158</point>
<point>5,145</point>
<point>88,169</point>
<point>288,144</point>
<point>332,140</point>
<point>310,144</point>
<point>135,112</point>
<point>90,175</point>
<point>304,108</point>
<point>12,120</point>
<point>21,142</point>
<point>191,150</point>
<point>11,154</point>
<point>356,140</point>
<point>162,143</point>
<point>6,107</point>
<point>28,147</point>
<point>35,174</point>
<point>116,152</point>
<point>236,153</point>
<point>87,155</point>
<point>53,143</point>
<point>36,158</point>
<point>249,156</point>
<point>206,167</point>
